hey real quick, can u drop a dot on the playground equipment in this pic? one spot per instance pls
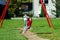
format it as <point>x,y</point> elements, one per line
<point>4,12</point>
<point>43,7</point>
<point>46,14</point>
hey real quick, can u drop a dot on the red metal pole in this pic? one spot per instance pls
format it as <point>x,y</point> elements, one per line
<point>4,12</point>
<point>46,14</point>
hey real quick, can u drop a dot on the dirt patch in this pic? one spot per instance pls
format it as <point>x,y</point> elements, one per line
<point>32,36</point>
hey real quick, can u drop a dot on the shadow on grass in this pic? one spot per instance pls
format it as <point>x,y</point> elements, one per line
<point>56,28</point>
<point>42,26</point>
<point>44,33</point>
<point>47,35</point>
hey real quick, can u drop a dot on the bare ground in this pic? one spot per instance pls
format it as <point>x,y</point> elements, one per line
<point>32,36</point>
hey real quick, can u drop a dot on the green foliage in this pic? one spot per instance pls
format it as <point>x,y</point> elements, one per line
<point>31,14</point>
<point>8,15</point>
<point>26,1</point>
<point>18,12</point>
<point>14,7</point>
<point>13,1</point>
<point>57,8</point>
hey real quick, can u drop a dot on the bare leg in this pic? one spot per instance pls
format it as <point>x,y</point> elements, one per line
<point>25,29</point>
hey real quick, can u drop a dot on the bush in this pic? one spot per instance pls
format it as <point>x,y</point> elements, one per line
<point>8,15</point>
<point>30,14</point>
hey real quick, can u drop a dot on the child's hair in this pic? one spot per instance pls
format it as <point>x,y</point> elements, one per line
<point>27,19</point>
<point>25,14</point>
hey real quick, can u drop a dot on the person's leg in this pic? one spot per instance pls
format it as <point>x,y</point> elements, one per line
<point>28,27</point>
<point>25,29</point>
<point>25,23</point>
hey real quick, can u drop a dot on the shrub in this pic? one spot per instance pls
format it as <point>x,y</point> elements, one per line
<point>30,14</point>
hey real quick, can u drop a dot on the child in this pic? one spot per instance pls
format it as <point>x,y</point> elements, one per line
<point>25,20</point>
<point>29,22</point>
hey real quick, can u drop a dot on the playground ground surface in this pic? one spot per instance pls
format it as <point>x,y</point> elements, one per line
<point>40,27</point>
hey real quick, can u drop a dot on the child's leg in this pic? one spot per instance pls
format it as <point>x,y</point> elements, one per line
<point>25,29</point>
<point>28,27</point>
<point>25,23</point>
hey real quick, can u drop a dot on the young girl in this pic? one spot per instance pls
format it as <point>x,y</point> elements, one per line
<point>29,22</point>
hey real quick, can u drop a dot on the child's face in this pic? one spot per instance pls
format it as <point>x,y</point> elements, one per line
<point>30,18</point>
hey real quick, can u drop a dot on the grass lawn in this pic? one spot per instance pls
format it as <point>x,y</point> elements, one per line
<point>41,28</point>
<point>10,31</point>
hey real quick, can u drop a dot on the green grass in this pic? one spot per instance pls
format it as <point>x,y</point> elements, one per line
<point>40,27</point>
<point>10,31</point>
